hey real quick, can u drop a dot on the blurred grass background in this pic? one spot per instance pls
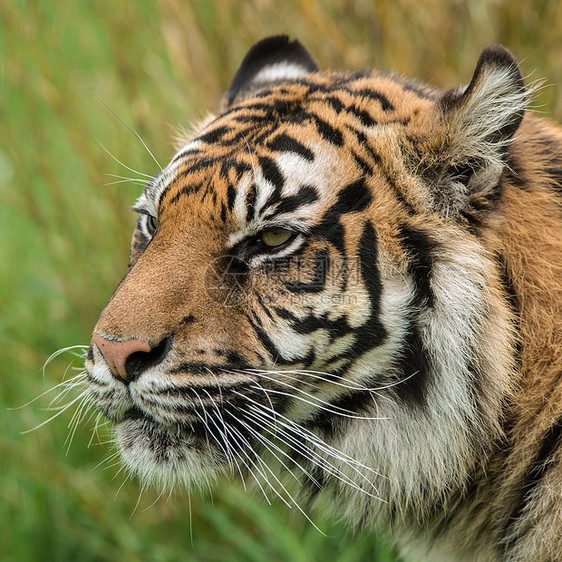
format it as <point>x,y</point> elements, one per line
<point>64,234</point>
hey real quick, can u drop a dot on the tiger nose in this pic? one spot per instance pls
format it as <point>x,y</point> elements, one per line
<point>119,356</point>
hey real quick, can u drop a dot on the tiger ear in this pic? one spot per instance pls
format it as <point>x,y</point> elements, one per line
<point>479,121</point>
<point>271,60</point>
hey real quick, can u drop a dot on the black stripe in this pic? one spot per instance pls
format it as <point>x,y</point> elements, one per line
<point>215,135</point>
<point>373,95</point>
<point>327,132</point>
<point>285,143</point>
<point>230,196</point>
<point>550,444</point>
<point>268,344</point>
<point>234,358</point>
<point>414,367</point>
<point>196,166</point>
<point>263,306</point>
<point>189,153</point>
<point>251,196</point>
<point>321,264</point>
<point>334,101</point>
<point>186,190</point>
<point>336,328</point>
<point>372,333</point>
<point>192,368</point>
<point>305,196</point>
<point>251,107</point>
<point>187,320</point>
<point>512,300</point>
<point>421,249</point>
<point>190,391</point>
<point>272,174</point>
<point>508,286</point>
<point>363,116</point>
<point>367,170</point>
<point>239,168</point>
<point>354,197</point>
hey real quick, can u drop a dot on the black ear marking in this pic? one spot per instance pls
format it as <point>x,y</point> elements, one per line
<point>271,60</point>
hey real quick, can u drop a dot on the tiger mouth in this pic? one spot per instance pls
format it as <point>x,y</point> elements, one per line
<point>144,422</point>
<point>135,413</point>
<point>141,427</point>
<point>169,454</point>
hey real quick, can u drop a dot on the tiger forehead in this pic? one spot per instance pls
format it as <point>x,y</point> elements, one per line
<point>359,99</point>
<point>293,122</point>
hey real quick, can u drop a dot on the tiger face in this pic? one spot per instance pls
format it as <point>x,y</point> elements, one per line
<point>312,282</point>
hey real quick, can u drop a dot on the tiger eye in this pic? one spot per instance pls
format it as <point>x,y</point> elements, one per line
<point>274,238</point>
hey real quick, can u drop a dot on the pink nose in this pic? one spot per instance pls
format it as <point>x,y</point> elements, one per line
<point>117,352</point>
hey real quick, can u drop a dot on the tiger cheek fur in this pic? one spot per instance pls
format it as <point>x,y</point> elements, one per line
<point>343,276</point>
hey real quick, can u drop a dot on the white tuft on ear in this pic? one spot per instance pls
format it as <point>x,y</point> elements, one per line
<point>479,123</point>
<point>484,116</point>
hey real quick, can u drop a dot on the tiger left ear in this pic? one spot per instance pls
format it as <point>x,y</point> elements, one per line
<point>477,125</point>
<point>271,60</point>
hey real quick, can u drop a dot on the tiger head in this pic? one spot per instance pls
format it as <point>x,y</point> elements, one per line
<point>312,281</point>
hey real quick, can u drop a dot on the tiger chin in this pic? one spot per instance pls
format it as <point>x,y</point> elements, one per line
<point>355,279</point>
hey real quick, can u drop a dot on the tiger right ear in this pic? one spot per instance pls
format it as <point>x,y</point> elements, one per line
<point>271,60</point>
<point>468,151</point>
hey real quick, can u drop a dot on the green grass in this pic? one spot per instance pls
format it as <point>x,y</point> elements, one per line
<point>64,233</point>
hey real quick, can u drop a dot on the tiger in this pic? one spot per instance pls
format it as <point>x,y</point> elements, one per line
<point>353,279</point>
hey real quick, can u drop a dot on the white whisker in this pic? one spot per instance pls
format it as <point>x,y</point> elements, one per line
<point>132,131</point>
<point>121,163</point>
<point>62,410</point>
<point>325,406</point>
<point>75,381</point>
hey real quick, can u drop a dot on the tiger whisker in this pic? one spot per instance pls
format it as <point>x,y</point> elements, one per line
<point>315,458</point>
<point>121,163</point>
<point>65,350</point>
<point>263,464</point>
<point>232,456</point>
<point>108,459</point>
<point>77,417</point>
<point>292,500</point>
<point>287,423</point>
<point>132,131</point>
<point>127,478</point>
<point>253,463</point>
<point>217,409</point>
<point>323,405</point>
<point>75,381</point>
<point>59,412</point>
<point>127,180</point>
<point>95,430</point>
<point>299,431</point>
<point>318,375</point>
<point>141,492</point>
<point>223,442</point>
<point>66,389</point>
<point>267,443</point>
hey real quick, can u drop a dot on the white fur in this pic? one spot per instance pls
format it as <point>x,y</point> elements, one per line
<point>280,71</point>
